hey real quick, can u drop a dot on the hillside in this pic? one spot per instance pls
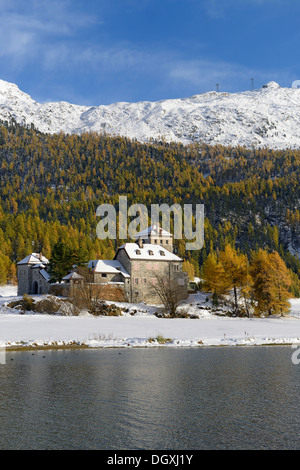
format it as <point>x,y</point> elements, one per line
<point>51,185</point>
<point>266,117</point>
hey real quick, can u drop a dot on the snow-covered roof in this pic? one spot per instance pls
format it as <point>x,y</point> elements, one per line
<point>34,258</point>
<point>39,265</point>
<point>72,275</point>
<point>108,267</point>
<point>45,274</point>
<point>153,230</point>
<point>149,252</point>
<point>41,258</point>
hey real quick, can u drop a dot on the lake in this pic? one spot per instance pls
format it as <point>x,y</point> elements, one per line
<point>150,399</point>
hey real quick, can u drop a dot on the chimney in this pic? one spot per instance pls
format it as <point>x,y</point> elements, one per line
<point>140,242</point>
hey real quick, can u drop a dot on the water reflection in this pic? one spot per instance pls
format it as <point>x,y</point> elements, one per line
<point>156,399</point>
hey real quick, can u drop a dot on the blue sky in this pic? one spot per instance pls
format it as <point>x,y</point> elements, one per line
<point>96,52</point>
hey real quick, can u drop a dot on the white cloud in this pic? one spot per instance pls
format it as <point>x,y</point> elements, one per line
<point>29,28</point>
<point>48,35</point>
<point>165,70</point>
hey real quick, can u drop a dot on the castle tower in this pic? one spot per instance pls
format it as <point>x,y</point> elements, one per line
<point>26,284</point>
<point>155,235</point>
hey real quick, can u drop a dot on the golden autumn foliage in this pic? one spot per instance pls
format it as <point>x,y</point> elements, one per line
<point>264,281</point>
<point>271,283</point>
<point>51,186</point>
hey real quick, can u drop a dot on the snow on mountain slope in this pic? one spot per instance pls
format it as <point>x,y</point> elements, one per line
<point>269,116</point>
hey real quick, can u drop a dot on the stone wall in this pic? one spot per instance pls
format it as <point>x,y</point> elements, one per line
<point>60,290</point>
<point>165,242</point>
<point>39,285</point>
<point>30,281</point>
<point>124,260</point>
<point>116,292</point>
<point>99,278</point>
<point>24,279</point>
<point>145,276</point>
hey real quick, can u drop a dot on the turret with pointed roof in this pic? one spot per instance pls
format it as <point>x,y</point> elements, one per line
<point>32,275</point>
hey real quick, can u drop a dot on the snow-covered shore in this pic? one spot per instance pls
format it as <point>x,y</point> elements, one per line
<point>143,328</point>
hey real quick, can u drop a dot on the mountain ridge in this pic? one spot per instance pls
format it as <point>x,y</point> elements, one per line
<point>265,117</point>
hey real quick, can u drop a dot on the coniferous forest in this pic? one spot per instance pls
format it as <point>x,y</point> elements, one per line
<point>51,186</point>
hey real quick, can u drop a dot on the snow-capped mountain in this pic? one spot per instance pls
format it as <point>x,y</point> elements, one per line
<point>269,116</point>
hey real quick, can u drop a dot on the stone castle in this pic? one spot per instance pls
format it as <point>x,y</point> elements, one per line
<point>133,274</point>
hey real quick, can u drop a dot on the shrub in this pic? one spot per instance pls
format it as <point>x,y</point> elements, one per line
<point>101,308</point>
<point>160,339</point>
<point>25,304</point>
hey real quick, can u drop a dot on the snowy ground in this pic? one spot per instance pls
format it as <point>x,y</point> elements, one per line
<point>36,330</point>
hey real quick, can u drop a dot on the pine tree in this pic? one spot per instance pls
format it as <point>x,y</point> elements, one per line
<point>12,275</point>
<point>271,283</point>
<point>4,268</point>
<point>280,285</point>
<point>212,276</point>
<point>261,275</point>
<point>234,274</point>
<point>188,267</point>
<point>61,261</point>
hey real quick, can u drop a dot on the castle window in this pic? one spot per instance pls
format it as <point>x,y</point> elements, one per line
<point>138,252</point>
<point>162,253</point>
<point>151,252</point>
<point>136,280</point>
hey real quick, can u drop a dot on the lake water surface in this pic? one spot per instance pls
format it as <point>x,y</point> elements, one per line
<point>150,399</point>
